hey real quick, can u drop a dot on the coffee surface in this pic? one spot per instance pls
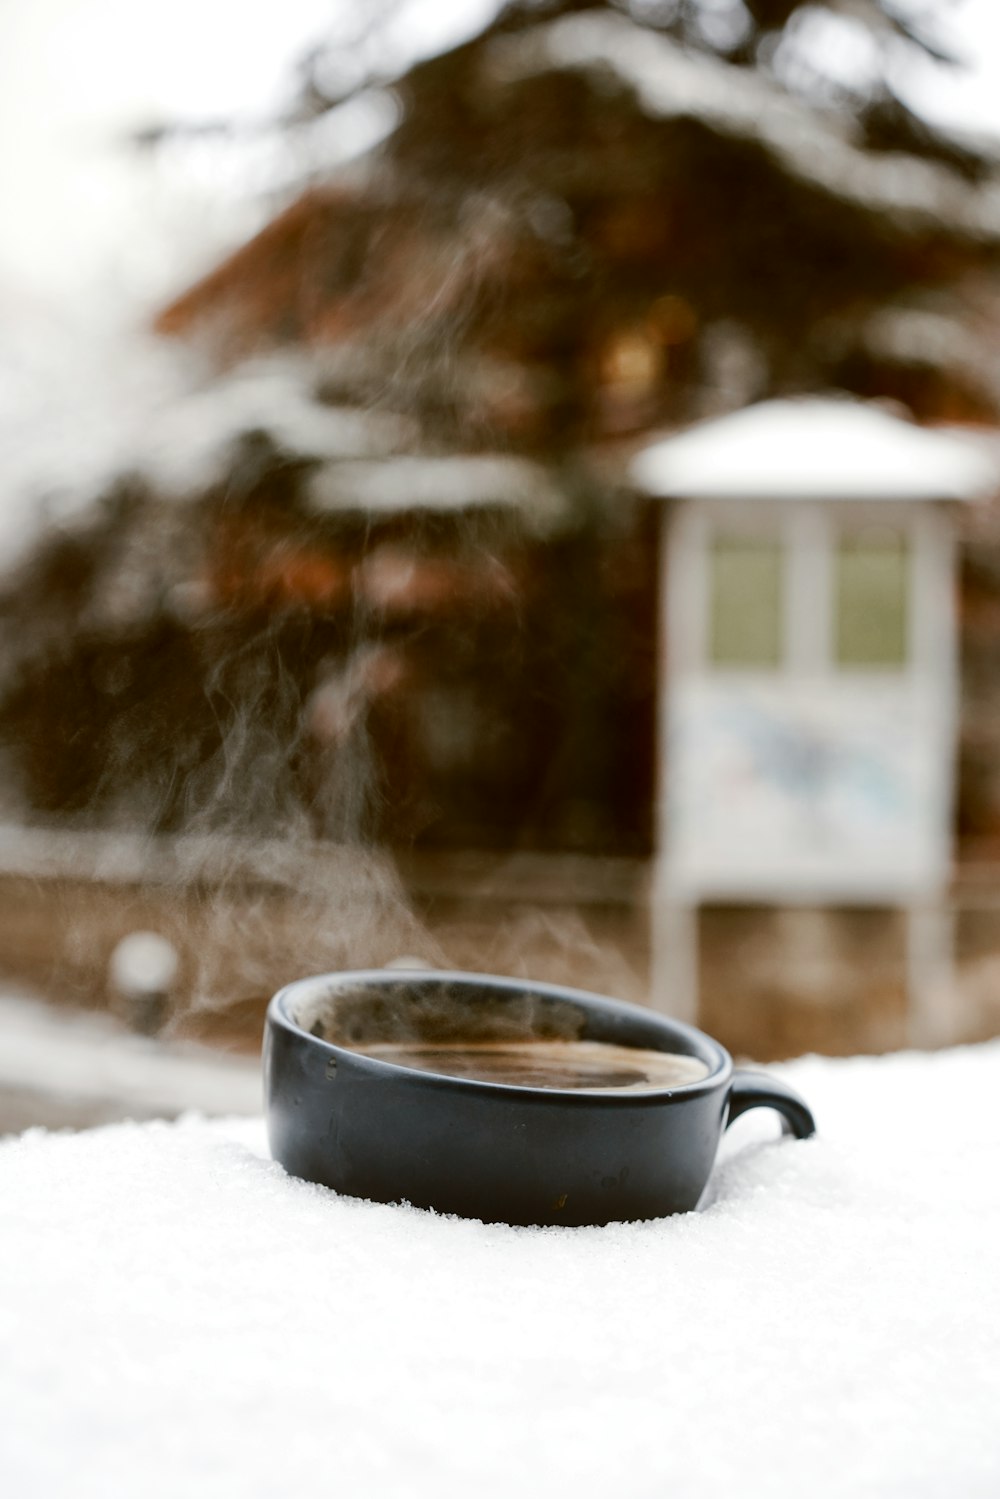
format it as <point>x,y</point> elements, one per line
<point>583,1066</point>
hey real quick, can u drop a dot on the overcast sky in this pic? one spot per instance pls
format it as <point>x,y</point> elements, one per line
<point>77,74</point>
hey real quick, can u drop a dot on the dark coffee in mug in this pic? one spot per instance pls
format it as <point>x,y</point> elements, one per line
<point>583,1066</point>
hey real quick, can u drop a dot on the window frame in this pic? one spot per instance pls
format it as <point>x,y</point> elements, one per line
<point>842,627</point>
<point>732,539</point>
<point>808,532</point>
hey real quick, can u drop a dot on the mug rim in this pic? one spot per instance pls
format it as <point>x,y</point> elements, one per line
<point>703,1046</point>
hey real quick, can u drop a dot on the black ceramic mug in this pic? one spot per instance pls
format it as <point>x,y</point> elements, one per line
<point>373,1128</point>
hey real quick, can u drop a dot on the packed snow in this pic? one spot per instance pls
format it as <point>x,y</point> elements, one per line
<point>816,448</point>
<point>180,1317</point>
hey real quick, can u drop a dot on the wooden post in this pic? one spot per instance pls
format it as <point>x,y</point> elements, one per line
<point>930,974</point>
<point>674,967</point>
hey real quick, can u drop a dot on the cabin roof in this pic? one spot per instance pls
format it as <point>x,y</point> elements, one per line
<point>830,448</point>
<point>821,147</point>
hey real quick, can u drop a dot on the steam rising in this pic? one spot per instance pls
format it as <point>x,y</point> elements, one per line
<point>511,1036</point>
<point>294,908</point>
<point>434,1011</point>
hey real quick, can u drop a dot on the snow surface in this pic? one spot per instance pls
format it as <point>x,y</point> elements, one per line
<point>816,449</point>
<point>178,1316</point>
<point>69,1064</point>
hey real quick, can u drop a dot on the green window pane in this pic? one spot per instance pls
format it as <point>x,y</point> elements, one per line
<point>871,598</point>
<point>745,605</point>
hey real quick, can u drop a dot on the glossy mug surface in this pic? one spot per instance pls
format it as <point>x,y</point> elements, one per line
<point>567,1107</point>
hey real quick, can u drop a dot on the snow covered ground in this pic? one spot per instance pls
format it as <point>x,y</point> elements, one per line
<point>179,1316</point>
<point>68,1068</point>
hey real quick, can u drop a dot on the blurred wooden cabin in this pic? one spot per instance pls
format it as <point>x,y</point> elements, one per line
<point>411,598</point>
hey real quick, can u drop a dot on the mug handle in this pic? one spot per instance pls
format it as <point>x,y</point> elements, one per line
<point>755,1090</point>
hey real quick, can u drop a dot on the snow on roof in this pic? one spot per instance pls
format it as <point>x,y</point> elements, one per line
<point>821,147</point>
<point>181,1316</point>
<point>440,483</point>
<point>815,448</point>
<point>192,439</point>
<point>966,344</point>
<point>81,410</point>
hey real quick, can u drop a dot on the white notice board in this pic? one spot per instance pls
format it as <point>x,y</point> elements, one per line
<point>835,791</point>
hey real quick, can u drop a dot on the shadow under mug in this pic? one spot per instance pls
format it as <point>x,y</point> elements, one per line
<point>376,1129</point>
